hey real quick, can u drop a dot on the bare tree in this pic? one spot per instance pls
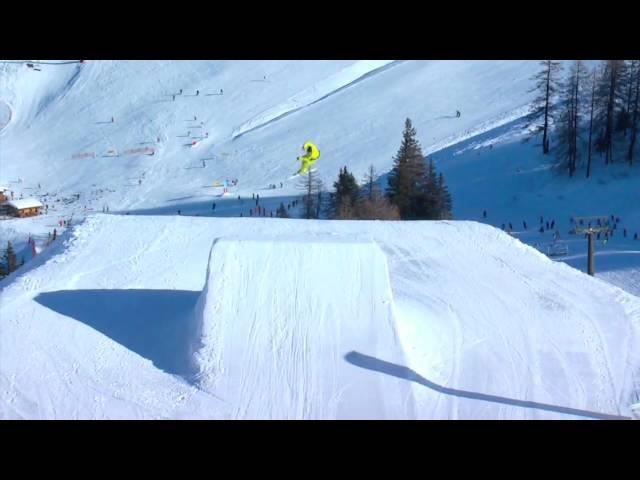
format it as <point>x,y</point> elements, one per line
<point>607,97</point>
<point>571,117</point>
<point>634,113</point>
<point>542,107</point>
<point>312,199</point>
<point>372,204</point>
<point>593,81</point>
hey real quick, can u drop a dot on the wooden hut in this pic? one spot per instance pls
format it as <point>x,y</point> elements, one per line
<point>27,207</point>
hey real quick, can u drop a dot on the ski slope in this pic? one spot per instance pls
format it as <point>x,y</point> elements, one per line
<point>138,317</point>
<point>353,110</point>
<point>515,183</point>
<point>61,142</point>
<point>318,91</point>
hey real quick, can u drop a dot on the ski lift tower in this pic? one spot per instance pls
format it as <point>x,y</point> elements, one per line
<point>591,226</point>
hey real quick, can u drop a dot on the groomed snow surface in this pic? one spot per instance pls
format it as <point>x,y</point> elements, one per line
<point>174,317</point>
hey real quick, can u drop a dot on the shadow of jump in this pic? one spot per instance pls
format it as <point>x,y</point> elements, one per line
<point>155,324</point>
<point>377,365</point>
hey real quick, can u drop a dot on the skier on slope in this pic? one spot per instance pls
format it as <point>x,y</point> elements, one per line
<point>457,113</point>
<point>309,158</point>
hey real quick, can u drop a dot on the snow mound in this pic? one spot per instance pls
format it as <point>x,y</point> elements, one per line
<point>278,318</point>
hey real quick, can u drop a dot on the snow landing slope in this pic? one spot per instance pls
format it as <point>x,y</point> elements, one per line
<point>278,316</point>
<point>486,326</point>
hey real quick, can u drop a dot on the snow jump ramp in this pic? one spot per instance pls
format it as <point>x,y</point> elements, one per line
<point>276,319</point>
<point>5,114</point>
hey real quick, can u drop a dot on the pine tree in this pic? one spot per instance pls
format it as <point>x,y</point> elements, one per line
<point>346,194</point>
<point>634,112</point>
<point>10,259</point>
<point>281,212</point>
<point>542,107</point>
<point>406,187</point>
<point>429,201</point>
<point>345,210</point>
<point>445,201</point>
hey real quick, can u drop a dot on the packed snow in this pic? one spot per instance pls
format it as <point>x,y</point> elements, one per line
<point>139,317</point>
<point>276,318</point>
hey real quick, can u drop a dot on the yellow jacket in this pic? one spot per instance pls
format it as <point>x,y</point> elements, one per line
<point>309,158</point>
